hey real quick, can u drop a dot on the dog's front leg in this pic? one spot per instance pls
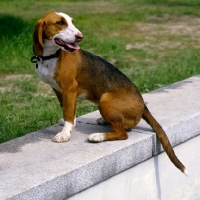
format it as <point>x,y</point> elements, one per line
<point>69,108</point>
<point>59,96</point>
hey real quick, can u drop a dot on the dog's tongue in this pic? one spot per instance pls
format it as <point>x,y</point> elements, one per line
<point>69,46</point>
<point>72,46</point>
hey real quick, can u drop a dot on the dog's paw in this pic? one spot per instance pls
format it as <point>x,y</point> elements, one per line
<point>62,137</point>
<point>96,137</point>
<point>101,121</point>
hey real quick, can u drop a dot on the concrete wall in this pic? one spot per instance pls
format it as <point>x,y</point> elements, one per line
<point>154,179</point>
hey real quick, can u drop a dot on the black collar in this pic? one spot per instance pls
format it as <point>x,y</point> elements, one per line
<point>35,59</point>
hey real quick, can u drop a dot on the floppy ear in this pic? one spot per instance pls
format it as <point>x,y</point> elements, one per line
<point>38,44</point>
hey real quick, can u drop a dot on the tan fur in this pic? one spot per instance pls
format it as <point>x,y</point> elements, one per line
<point>119,101</point>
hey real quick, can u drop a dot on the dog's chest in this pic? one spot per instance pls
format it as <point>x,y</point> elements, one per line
<point>46,72</point>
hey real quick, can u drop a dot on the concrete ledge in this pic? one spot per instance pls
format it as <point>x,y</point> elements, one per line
<point>154,179</point>
<point>33,167</point>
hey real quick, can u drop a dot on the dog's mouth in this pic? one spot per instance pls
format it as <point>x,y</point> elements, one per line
<point>67,46</point>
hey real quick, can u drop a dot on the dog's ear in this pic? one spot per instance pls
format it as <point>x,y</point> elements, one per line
<point>38,44</point>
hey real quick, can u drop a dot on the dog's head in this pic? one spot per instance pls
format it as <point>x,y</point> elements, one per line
<point>56,29</point>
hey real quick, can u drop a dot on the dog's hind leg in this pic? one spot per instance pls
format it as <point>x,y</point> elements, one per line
<point>113,117</point>
<point>101,121</point>
<point>118,133</point>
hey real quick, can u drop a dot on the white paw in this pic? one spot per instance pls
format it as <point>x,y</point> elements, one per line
<point>96,137</point>
<point>62,137</point>
<point>101,121</point>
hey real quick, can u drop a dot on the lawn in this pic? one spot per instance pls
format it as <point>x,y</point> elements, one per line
<point>155,43</point>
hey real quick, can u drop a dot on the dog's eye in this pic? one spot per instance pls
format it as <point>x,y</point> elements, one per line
<point>60,22</point>
<point>72,21</point>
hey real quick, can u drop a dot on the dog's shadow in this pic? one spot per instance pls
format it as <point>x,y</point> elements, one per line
<point>91,126</point>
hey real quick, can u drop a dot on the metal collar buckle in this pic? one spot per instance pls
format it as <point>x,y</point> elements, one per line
<point>35,59</point>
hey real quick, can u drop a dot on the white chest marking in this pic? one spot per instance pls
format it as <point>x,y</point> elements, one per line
<point>46,72</point>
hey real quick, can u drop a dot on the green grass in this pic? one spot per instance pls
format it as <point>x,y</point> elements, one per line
<point>155,43</point>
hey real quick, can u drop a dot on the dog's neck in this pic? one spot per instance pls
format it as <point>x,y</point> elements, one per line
<point>49,47</point>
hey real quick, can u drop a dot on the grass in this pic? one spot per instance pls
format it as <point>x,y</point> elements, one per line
<point>155,43</point>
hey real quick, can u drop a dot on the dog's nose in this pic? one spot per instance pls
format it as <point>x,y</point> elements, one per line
<point>79,37</point>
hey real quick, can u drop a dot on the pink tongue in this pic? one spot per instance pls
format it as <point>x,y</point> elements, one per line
<point>73,46</point>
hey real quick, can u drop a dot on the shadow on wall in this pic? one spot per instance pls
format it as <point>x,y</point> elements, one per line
<point>157,175</point>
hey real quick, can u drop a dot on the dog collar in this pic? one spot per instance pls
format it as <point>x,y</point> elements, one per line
<point>35,59</point>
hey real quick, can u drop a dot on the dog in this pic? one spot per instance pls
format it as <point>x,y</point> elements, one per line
<point>73,72</point>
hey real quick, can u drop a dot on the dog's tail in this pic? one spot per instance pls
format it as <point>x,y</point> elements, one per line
<point>163,139</point>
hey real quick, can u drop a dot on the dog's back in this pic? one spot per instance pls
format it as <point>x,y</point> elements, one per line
<point>102,76</point>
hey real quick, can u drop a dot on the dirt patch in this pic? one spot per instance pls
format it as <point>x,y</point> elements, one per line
<point>2,89</point>
<point>176,32</point>
<point>8,82</point>
<point>16,76</point>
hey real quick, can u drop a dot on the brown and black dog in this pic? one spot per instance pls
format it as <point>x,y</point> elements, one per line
<point>73,72</point>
